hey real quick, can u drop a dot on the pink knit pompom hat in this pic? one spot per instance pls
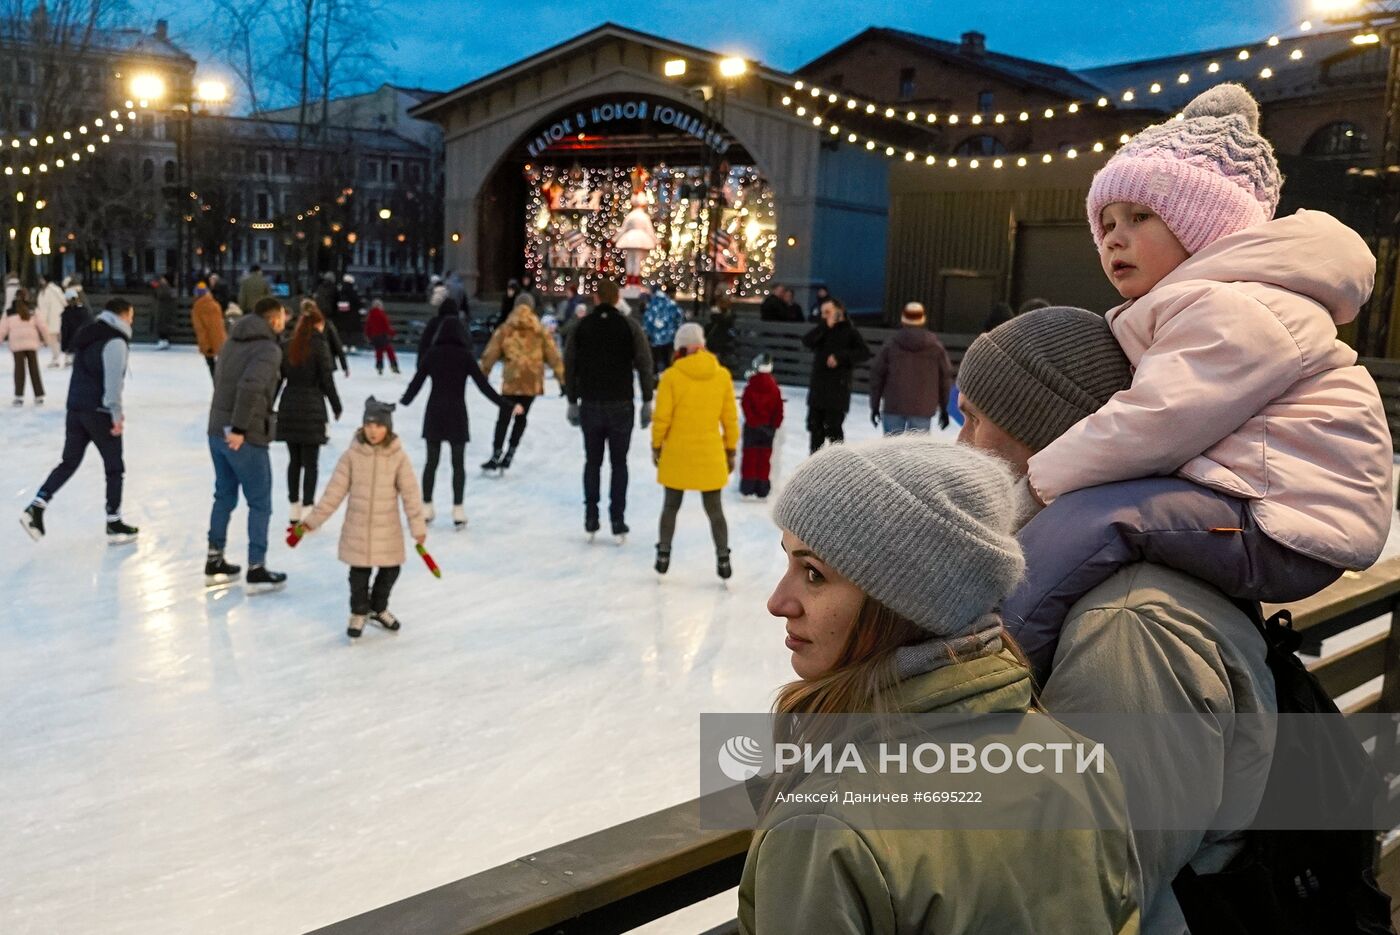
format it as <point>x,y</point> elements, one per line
<point>1207,175</point>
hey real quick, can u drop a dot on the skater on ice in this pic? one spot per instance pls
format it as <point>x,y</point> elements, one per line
<point>448,363</point>
<point>75,315</point>
<point>95,417</point>
<point>379,331</point>
<point>210,333</point>
<point>910,378</point>
<point>25,332</point>
<point>49,305</point>
<point>837,349</point>
<point>694,434</point>
<point>602,353</point>
<point>662,318</point>
<point>762,403</point>
<point>525,347</point>
<point>242,424</point>
<point>373,477</point>
<point>308,387</point>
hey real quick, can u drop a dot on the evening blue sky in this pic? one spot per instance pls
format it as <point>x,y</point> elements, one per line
<point>441,44</point>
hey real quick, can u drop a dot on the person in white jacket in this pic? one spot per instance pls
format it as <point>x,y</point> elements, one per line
<point>49,305</point>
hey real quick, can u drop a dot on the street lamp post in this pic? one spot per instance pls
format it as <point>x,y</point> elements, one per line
<point>726,74</point>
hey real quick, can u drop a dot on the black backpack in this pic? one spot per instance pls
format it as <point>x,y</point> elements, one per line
<point>1299,882</point>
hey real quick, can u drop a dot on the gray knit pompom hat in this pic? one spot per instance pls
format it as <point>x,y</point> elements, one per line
<point>922,526</point>
<point>1039,373</point>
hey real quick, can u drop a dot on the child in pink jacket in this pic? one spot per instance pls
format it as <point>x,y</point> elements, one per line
<point>25,333</point>
<point>1240,384</point>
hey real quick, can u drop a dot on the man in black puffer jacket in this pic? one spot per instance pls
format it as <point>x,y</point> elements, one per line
<point>242,424</point>
<point>95,417</point>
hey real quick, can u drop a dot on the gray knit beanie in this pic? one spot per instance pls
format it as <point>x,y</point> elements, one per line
<point>379,413</point>
<point>1039,373</point>
<point>922,526</point>
<point>689,334</point>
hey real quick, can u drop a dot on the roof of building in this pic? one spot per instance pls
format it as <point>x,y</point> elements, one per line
<point>1290,76</point>
<point>124,40</point>
<point>1023,71</point>
<point>259,131</point>
<point>602,33</point>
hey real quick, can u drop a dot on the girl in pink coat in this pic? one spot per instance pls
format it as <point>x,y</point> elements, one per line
<point>26,333</point>
<point>375,477</point>
<point>1240,384</point>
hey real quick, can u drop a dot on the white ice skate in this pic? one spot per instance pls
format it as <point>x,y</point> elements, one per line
<point>459,518</point>
<point>429,514</point>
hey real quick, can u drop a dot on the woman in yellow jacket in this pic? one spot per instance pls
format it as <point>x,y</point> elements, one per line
<point>694,434</point>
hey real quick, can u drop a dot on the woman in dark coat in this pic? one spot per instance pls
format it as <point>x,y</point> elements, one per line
<point>308,383</point>
<point>448,362</point>
<point>448,309</point>
<point>837,348</point>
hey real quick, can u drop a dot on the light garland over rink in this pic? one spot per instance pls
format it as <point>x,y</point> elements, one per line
<point>1273,52</point>
<point>1006,160</point>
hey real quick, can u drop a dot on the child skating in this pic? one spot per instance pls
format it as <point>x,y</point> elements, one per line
<point>762,403</point>
<point>376,475</point>
<point>380,333</point>
<point>26,333</point>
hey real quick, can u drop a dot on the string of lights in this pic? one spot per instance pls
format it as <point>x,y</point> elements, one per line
<point>952,162</point>
<point>1262,53</point>
<point>59,138</point>
<point>98,132</point>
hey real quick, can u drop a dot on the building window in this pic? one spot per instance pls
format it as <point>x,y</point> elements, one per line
<point>264,214</point>
<point>291,164</point>
<point>233,160</point>
<point>264,250</point>
<point>986,100</point>
<point>372,170</point>
<point>24,113</point>
<point>170,170</point>
<point>264,164</point>
<point>170,263</point>
<point>25,71</point>
<point>983,144</point>
<point>393,171</point>
<point>415,173</point>
<point>1340,140</point>
<point>906,83</point>
<point>371,256</point>
<point>148,170</point>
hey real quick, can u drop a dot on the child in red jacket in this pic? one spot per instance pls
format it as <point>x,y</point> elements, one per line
<point>762,403</point>
<point>380,333</point>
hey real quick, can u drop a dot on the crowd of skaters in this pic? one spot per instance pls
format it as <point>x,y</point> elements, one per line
<point>1125,491</point>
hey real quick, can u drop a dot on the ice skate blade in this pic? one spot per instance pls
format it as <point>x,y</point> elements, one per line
<point>459,527</point>
<point>620,540</point>
<point>215,581</point>
<point>269,588</point>
<point>32,531</point>
<point>124,539</point>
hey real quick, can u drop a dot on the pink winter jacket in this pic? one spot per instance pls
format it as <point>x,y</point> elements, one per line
<point>375,477</point>
<point>23,335</point>
<point>1240,384</point>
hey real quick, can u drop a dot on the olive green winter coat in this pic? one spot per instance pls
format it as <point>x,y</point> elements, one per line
<point>827,868</point>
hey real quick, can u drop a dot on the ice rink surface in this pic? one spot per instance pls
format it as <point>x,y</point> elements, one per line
<point>179,760</point>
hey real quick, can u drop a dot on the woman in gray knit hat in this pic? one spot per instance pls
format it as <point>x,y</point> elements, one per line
<point>898,553</point>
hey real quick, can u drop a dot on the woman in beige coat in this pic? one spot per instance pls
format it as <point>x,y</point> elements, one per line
<point>375,474</point>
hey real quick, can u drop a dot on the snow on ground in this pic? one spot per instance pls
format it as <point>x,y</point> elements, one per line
<point>177,760</point>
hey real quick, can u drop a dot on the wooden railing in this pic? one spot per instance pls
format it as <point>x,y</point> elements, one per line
<point>630,874</point>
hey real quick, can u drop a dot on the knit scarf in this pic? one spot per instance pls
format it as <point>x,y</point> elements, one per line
<point>918,658</point>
